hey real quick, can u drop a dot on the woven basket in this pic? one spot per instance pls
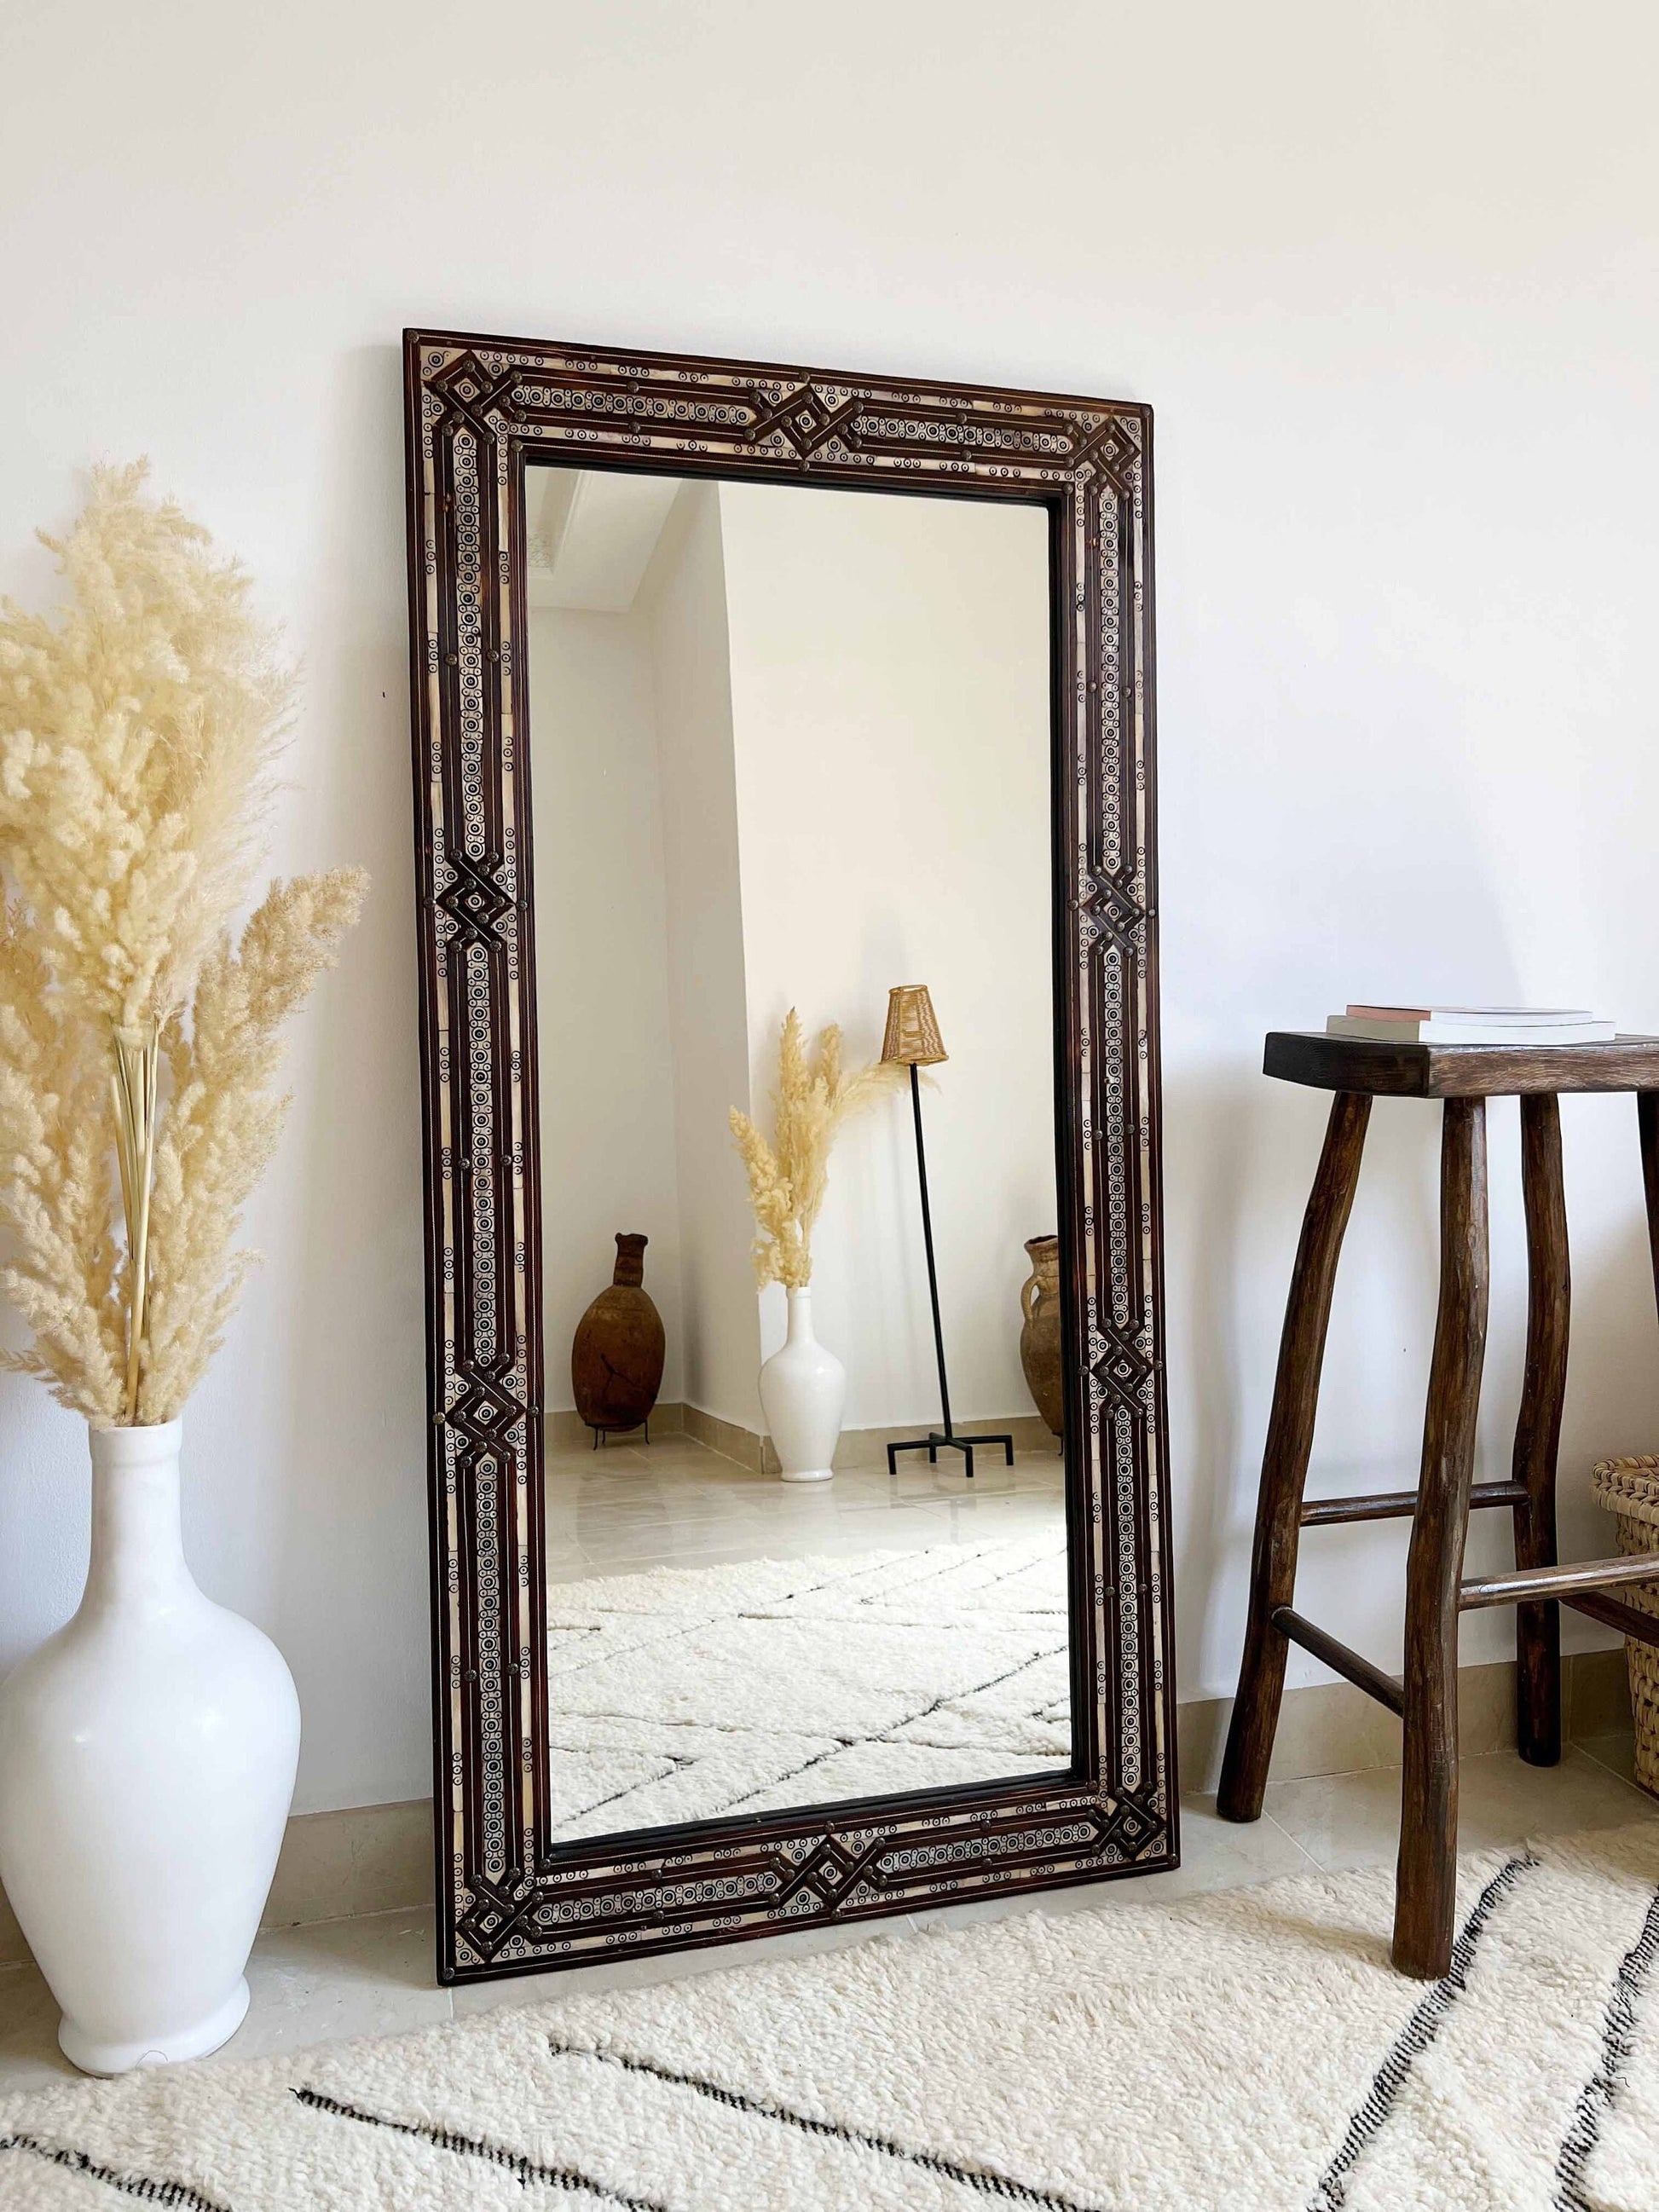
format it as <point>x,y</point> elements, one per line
<point>1629,1489</point>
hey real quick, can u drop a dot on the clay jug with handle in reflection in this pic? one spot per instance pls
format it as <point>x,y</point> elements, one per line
<point>1040,1351</point>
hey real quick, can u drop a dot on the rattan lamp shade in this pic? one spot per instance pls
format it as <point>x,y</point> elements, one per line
<point>911,1037</point>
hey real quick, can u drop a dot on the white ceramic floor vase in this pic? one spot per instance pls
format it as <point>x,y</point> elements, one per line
<point>147,1758</point>
<point>802,1390</point>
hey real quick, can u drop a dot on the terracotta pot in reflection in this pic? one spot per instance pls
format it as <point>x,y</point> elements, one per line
<point>1040,1351</point>
<point>616,1356</point>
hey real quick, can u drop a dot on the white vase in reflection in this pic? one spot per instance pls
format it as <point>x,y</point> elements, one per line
<point>802,1390</point>
<point>147,1761</point>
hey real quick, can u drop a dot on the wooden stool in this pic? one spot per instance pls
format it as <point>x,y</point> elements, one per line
<point>1465,1077</point>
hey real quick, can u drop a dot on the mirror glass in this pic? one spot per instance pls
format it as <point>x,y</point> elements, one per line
<point>790,748</point>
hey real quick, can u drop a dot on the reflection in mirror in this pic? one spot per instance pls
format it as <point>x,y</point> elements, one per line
<point>790,750</point>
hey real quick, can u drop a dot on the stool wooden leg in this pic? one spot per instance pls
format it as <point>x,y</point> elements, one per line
<point>1426,1880</point>
<point>1284,1462</point>
<point>1647,1122</point>
<point>1538,1432</point>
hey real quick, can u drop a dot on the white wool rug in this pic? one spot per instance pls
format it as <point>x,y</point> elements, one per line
<point>1247,2052</point>
<point>688,1692</point>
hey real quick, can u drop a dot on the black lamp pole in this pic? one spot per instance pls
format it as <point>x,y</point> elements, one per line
<point>935,1439</point>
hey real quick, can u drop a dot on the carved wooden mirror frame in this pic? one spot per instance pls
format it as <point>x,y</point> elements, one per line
<point>479,408</point>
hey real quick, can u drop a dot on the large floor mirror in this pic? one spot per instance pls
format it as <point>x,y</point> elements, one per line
<point>784,816</point>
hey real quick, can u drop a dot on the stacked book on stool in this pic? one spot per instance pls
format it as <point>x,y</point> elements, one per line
<point>1523,1025</point>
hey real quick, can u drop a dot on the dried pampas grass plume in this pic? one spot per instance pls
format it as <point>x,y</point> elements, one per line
<point>224,1119</point>
<point>138,730</point>
<point>56,1133</point>
<point>787,1178</point>
<point>137,734</point>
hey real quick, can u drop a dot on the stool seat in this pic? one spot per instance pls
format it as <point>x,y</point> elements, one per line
<point>1464,1077</point>
<point>1459,1071</point>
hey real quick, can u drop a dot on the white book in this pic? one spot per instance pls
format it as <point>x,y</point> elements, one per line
<point>1478,1017</point>
<point>1470,1027</point>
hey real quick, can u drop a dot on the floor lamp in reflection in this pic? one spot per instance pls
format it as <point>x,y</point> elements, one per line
<point>913,1041</point>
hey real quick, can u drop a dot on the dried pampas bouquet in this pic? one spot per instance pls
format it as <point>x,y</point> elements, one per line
<point>138,1037</point>
<point>787,1178</point>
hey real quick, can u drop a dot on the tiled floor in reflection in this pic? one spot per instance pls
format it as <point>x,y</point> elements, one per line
<point>374,1976</point>
<point>674,1503</point>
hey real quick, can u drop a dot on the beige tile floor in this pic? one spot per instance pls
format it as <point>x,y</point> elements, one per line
<point>373,1976</point>
<point>674,1503</point>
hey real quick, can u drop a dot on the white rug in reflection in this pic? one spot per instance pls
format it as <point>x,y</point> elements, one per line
<point>688,1693</point>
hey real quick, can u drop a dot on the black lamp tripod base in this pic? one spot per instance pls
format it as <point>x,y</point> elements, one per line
<point>934,1443</point>
<point>945,1439</point>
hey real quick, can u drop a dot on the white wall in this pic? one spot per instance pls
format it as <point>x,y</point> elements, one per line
<point>682,601</point>
<point>606,1063</point>
<point>1388,274</point>
<point>890,707</point>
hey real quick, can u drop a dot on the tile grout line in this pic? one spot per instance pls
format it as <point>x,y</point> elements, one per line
<point>1296,1844</point>
<point>1600,1764</point>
